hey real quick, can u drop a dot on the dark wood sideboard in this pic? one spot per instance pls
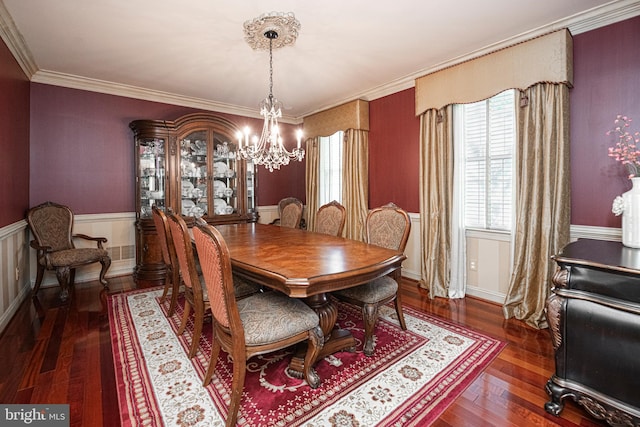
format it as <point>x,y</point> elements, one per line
<point>594,319</point>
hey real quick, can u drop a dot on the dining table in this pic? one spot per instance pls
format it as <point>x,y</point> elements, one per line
<point>308,265</point>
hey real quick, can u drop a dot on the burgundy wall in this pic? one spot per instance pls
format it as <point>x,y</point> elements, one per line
<point>289,181</point>
<point>606,83</point>
<point>82,150</point>
<point>14,139</point>
<point>394,151</point>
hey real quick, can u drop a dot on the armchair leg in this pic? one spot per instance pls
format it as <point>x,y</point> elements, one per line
<point>63,275</point>
<point>106,263</point>
<point>39,276</point>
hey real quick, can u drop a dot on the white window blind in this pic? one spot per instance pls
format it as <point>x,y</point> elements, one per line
<point>488,138</point>
<point>330,168</point>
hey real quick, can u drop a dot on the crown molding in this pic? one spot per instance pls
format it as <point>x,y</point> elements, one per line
<point>16,43</point>
<point>610,13</point>
<point>102,86</point>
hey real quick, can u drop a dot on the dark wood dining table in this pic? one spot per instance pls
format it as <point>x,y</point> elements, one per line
<point>308,265</point>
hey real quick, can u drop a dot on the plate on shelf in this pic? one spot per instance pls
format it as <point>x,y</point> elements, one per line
<point>219,206</point>
<point>218,188</point>
<point>220,169</point>
<point>187,205</point>
<point>187,188</point>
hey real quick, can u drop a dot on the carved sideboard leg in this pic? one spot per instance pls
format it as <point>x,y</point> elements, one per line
<point>557,393</point>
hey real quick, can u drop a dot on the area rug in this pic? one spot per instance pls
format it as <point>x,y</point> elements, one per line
<point>412,378</point>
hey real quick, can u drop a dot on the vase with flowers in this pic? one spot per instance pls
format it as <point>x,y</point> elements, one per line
<point>627,151</point>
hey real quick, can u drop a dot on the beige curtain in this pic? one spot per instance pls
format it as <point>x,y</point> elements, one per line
<point>543,199</point>
<point>436,193</point>
<point>312,180</point>
<point>355,182</point>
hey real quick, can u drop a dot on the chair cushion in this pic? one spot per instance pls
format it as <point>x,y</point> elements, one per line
<point>77,256</point>
<point>272,316</point>
<point>372,292</point>
<point>243,288</point>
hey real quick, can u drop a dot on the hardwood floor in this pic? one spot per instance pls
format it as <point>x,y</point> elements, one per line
<point>53,352</point>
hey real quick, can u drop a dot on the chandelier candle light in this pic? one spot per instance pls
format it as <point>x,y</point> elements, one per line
<point>269,150</point>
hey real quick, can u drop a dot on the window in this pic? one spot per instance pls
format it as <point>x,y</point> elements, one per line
<point>330,168</point>
<point>485,135</point>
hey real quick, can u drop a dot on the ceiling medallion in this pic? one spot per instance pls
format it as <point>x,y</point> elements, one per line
<point>284,24</point>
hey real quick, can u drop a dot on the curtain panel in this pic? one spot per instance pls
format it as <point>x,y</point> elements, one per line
<point>543,210</point>
<point>436,190</point>
<point>355,182</point>
<point>312,180</point>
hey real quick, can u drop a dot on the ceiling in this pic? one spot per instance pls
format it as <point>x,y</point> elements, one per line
<point>193,53</point>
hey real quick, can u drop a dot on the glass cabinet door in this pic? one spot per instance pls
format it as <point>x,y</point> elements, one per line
<point>251,187</point>
<point>194,152</point>
<point>151,175</point>
<point>225,176</point>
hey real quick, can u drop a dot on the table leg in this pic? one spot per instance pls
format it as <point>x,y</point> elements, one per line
<point>335,339</point>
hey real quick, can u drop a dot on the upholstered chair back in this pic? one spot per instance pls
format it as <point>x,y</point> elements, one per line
<point>290,210</point>
<point>216,272</point>
<point>51,225</point>
<point>330,219</point>
<point>184,252</point>
<point>388,226</point>
<point>164,235</point>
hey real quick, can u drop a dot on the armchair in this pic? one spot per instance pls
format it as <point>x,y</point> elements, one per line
<point>51,225</point>
<point>387,226</point>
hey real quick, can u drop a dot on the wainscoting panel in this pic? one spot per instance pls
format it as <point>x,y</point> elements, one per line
<point>14,261</point>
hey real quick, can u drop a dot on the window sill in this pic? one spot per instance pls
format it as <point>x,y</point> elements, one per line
<point>478,233</point>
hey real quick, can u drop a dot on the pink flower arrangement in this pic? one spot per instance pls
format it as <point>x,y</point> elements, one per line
<point>626,149</point>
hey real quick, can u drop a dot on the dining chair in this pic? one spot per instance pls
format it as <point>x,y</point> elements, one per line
<point>330,219</point>
<point>172,279</point>
<point>52,226</point>
<point>290,213</point>
<point>195,293</point>
<point>195,296</point>
<point>259,324</point>
<point>387,226</point>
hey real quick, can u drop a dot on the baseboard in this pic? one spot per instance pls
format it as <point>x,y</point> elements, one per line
<point>485,294</point>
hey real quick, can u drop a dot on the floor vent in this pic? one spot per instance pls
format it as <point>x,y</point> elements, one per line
<point>114,253</point>
<point>128,252</point>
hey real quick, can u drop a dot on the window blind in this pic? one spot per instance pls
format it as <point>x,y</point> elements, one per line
<point>488,144</point>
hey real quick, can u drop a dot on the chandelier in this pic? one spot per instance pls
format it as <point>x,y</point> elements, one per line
<point>269,150</point>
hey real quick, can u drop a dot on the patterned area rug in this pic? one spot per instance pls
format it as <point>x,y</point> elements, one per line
<point>411,379</point>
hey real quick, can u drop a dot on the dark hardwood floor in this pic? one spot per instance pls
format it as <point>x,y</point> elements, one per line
<point>53,352</point>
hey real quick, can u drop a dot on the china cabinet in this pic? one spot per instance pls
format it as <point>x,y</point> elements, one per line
<point>187,166</point>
